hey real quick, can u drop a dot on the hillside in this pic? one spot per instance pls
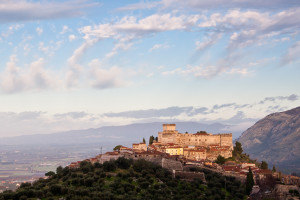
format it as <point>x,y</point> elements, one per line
<point>276,139</point>
<point>126,179</point>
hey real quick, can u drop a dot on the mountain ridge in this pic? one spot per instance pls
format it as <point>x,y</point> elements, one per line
<point>124,134</point>
<point>275,138</point>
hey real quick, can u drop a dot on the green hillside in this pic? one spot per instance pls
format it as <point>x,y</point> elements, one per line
<point>126,179</point>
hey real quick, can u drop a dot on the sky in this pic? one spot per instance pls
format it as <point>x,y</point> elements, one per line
<point>68,65</point>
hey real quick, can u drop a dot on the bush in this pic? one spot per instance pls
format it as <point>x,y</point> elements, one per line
<point>123,163</point>
<point>109,166</point>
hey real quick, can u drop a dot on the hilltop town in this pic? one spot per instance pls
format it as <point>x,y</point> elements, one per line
<point>201,160</point>
<point>176,151</point>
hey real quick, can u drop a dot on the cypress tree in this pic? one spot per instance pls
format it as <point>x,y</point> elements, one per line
<point>151,139</point>
<point>249,181</point>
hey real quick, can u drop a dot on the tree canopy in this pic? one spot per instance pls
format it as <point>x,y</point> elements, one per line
<point>126,179</point>
<point>264,165</point>
<point>117,148</point>
<point>151,139</point>
<point>220,160</point>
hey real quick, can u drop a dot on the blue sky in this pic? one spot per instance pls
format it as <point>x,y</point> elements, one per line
<point>85,63</point>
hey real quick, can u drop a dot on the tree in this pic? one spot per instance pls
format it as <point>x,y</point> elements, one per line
<point>201,132</point>
<point>249,181</point>
<point>151,139</point>
<point>50,173</point>
<point>220,160</point>
<point>156,139</point>
<point>59,170</point>
<point>237,150</point>
<point>274,169</point>
<point>117,148</point>
<point>264,165</point>
<point>144,141</point>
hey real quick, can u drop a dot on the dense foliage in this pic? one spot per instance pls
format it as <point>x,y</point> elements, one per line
<point>239,156</point>
<point>264,165</point>
<point>249,181</point>
<point>220,160</point>
<point>151,139</point>
<point>126,179</point>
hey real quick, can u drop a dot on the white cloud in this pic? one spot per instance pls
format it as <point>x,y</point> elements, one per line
<point>65,29</point>
<point>208,72</point>
<point>39,30</point>
<point>208,42</point>
<point>159,46</point>
<point>36,77</point>
<point>51,48</point>
<point>252,27</point>
<point>139,6</point>
<point>103,78</point>
<point>25,10</point>
<point>292,54</point>
<point>117,47</point>
<point>239,71</point>
<point>73,73</point>
<point>11,29</point>
<point>211,4</point>
<point>72,37</point>
<point>196,71</point>
<point>128,29</point>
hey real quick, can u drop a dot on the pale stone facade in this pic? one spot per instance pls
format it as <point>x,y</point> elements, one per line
<point>139,146</point>
<point>198,146</point>
<point>171,135</point>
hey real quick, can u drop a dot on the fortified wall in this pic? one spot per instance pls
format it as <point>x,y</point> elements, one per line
<point>171,135</point>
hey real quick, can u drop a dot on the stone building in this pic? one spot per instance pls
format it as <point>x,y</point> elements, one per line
<point>198,146</point>
<point>139,146</point>
<point>171,135</point>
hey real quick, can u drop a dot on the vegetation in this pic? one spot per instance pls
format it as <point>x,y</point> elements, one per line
<point>201,132</point>
<point>144,141</point>
<point>264,165</point>
<point>126,179</point>
<point>151,139</point>
<point>237,150</point>
<point>249,181</point>
<point>117,148</point>
<point>239,156</point>
<point>274,168</point>
<point>220,160</point>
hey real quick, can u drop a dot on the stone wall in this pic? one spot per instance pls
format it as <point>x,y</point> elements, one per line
<point>194,139</point>
<point>171,164</point>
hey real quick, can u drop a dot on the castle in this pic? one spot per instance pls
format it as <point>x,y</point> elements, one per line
<point>171,135</point>
<point>197,146</point>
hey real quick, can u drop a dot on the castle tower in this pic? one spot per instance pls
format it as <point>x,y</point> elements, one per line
<point>168,135</point>
<point>169,127</point>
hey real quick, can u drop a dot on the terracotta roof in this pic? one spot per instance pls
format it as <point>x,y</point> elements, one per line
<point>231,168</point>
<point>112,153</point>
<point>264,171</point>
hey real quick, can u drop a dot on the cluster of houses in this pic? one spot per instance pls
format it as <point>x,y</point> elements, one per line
<point>188,152</point>
<point>241,169</point>
<point>174,150</point>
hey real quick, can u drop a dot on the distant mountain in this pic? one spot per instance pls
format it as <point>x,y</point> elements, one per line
<point>110,134</point>
<point>276,139</point>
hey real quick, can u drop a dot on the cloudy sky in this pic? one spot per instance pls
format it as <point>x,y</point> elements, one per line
<point>86,63</point>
